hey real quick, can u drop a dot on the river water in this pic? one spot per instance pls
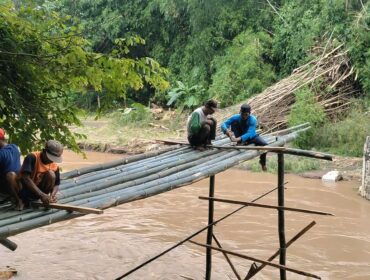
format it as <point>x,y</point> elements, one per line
<point>106,246</point>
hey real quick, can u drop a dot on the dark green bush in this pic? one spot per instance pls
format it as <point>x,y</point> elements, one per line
<point>306,109</point>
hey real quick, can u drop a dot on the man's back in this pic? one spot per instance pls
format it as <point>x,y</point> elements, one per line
<point>9,159</point>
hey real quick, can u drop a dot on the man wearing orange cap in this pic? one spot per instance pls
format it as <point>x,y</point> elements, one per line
<point>9,167</point>
<point>39,175</point>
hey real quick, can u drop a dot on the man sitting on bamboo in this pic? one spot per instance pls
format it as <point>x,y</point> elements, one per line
<point>9,166</point>
<point>201,125</point>
<point>39,175</point>
<point>241,128</point>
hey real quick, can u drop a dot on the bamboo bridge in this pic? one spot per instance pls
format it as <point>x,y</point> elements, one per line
<point>138,177</point>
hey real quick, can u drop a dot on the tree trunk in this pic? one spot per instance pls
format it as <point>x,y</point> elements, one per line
<point>365,187</point>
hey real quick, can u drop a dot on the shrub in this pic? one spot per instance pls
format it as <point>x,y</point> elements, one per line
<point>346,137</point>
<point>186,96</point>
<point>306,109</point>
<point>242,72</point>
<point>136,115</point>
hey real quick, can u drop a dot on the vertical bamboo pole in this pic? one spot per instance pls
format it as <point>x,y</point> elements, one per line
<point>210,229</point>
<point>281,218</point>
<point>365,186</point>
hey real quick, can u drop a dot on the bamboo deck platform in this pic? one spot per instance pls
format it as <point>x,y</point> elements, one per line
<point>121,181</point>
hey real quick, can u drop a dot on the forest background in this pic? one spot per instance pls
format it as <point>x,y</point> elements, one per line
<point>118,57</point>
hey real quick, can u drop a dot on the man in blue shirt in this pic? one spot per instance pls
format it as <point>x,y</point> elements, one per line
<point>9,167</point>
<point>241,128</point>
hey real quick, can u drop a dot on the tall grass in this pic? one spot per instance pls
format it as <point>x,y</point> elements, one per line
<point>346,137</point>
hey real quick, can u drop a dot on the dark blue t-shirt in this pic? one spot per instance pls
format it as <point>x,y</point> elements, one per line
<point>9,160</point>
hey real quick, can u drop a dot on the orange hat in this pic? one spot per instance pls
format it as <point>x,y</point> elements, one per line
<point>2,134</point>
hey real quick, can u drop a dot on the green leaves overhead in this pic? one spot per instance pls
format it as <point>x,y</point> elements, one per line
<point>42,60</point>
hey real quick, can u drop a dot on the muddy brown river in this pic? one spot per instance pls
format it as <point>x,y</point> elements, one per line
<point>106,246</point>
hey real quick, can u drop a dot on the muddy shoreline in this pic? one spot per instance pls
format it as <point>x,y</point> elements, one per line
<point>350,167</point>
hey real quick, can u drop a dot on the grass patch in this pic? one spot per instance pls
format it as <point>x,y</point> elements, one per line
<point>293,164</point>
<point>132,127</point>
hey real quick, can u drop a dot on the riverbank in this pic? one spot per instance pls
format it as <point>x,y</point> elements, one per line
<point>107,135</point>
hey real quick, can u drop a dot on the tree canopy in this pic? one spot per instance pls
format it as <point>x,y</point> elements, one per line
<point>43,59</point>
<point>198,40</point>
<point>54,51</point>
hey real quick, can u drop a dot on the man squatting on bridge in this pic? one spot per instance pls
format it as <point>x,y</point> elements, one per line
<point>201,126</point>
<point>39,175</point>
<point>241,128</point>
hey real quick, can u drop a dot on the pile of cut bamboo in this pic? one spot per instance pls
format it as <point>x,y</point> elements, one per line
<point>330,76</point>
<point>138,177</point>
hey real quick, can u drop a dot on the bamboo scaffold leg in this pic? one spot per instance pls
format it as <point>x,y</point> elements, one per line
<point>210,228</point>
<point>227,258</point>
<point>191,236</point>
<point>254,268</point>
<point>281,226</point>
<point>259,261</point>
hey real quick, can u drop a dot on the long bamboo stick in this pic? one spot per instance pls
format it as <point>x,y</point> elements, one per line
<point>190,237</point>
<point>266,206</point>
<point>226,257</point>
<point>81,171</point>
<point>71,208</point>
<point>256,269</point>
<point>300,272</point>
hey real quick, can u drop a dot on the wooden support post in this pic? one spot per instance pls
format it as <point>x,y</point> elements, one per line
<point>281,226</point>
<point>210,229</point>
<point>365,186</point>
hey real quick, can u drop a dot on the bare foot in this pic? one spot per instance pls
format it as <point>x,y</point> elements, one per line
<point>19,206</point>
<point>200,148</point>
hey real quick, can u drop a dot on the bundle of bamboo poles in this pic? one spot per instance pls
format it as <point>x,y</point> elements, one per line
<point>330,76</point>
<point>135,178</point>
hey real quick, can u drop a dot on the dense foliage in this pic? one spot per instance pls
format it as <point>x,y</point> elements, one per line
<point>227,49</point>
<point>230,48</point>
<point>43,60</point>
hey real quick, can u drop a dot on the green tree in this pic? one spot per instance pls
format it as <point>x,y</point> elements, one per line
<point>242,71</point>
<point>42,60</point>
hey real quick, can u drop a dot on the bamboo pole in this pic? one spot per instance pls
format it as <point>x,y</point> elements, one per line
<point>281,223</point>
<point>8,244</point>
<point>226,257</point>
<point>281,267</point>
<point>210,228</point>
<point>257,148</point>
<point>190,237</point>
<point>71,208</point>
<point>134,158</point>
<point>256,269</point>
<point>265,206</point>
<point>297,152</point>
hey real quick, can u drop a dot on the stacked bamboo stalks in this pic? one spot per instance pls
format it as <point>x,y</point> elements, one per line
<point>131,180</point>
<point>330,76</point>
